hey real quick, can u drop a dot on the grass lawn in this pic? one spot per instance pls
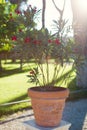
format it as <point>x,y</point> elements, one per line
<point>14,85</point>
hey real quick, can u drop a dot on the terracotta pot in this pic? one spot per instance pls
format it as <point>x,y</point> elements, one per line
<point>48,105</point>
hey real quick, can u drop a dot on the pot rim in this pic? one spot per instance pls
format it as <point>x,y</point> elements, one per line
<point>61,93</point>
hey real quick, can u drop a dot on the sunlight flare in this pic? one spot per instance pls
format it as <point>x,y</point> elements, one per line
<point>82,4</point>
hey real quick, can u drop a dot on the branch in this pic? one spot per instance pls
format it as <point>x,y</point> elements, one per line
<point>63,7</point>
<point>60,11</point>
<point>56,7</point>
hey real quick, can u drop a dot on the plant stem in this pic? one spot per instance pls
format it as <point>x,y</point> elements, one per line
<point>55,68</point>
<point>41,68</point>
<point>58,67</point>
<point>47,71</point>
<point>62,70</point>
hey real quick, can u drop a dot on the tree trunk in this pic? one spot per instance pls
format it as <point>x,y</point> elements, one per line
<point>0,65</point>
<point>21,64</point>
<point>43,13</point>
<point>13,60</point>
<point>80,35</point>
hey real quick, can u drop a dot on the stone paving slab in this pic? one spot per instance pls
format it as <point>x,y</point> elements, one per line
<point>75,112</point>
<point>31,125</point>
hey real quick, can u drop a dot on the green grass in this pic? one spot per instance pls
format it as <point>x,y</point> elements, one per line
<point>14,85</point>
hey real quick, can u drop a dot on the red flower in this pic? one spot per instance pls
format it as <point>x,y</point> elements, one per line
<point>11,18</point>
<point>50,41</point>
<point>57,41</point>
<point>36,42</point>
<point>32,72</point>
<point>27,40</point>
<point>20,30</point>
<point>14,38</point>
<point>18,12</point>
<point>10,14</point>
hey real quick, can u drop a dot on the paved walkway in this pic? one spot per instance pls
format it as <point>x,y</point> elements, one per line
<point>75,112</point>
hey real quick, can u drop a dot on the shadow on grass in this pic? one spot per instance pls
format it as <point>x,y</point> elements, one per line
<point>14,68</point>
<point>5,72</point>
<point>22,97</point>
<point>18,62</point>
<point>5,110</point>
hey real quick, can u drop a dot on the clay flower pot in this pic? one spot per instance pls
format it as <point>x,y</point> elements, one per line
<point>48,105</point>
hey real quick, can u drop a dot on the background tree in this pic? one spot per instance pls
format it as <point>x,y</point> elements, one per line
<point>80,35</point>
<point>25,21</point>
<point>7,27</point>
